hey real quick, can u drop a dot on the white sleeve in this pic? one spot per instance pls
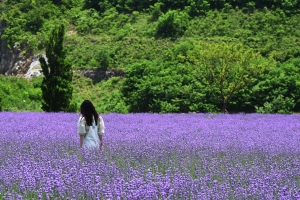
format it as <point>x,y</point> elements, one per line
<point>81,126</point>
<point>101,126</point>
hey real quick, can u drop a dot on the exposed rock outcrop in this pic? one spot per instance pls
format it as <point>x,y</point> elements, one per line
<point>99,74</point>
<point>96,75</point>
<point>35,68</point>
<point>13,61</point>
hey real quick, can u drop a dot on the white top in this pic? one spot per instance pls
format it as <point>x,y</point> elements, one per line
<point>90,132</point>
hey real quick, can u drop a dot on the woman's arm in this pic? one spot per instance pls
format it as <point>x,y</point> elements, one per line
<point>101,141</point>
<point>81,130</point>
<point>101,128</point>
<point>81,140</point>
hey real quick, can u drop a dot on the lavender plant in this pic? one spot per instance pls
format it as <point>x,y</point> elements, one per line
<point>151,156</point>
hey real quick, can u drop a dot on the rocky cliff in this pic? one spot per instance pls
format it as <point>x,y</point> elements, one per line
<point>98,74</point>
<point>13,61</point>
<point>95,74</point>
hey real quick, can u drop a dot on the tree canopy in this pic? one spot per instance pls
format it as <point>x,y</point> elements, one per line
<point>226,68</point>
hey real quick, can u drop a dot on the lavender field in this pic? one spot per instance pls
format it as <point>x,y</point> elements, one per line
<point>151,156</point>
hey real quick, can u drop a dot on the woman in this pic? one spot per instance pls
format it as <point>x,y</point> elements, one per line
<point>90,126</point>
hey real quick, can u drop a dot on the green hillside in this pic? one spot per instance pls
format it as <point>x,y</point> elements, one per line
<point>159,36</point>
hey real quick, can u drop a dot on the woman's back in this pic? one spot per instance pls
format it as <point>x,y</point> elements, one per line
<point>91,138</point>
<point>90,126</point>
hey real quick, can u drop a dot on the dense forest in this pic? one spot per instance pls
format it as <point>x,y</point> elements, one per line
<point>156,42</point>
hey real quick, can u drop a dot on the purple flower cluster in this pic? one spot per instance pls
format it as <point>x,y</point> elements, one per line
<point>151,156</point>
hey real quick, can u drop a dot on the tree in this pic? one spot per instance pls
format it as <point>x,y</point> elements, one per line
<point>56,85</point>
<point>226,69</point>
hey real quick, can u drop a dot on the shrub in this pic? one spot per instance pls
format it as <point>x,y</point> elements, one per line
<point>103,58</point>
<point>281,104</point>
<point>156,11</point>
<point>172,24</point>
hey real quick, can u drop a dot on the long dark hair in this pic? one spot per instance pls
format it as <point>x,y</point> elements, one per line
<point>88,110</point>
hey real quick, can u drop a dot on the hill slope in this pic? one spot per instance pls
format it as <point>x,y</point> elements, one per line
<point>118,36</point>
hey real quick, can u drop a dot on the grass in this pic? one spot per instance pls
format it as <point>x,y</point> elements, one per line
<point>14,90</point>
<point>103,94</point>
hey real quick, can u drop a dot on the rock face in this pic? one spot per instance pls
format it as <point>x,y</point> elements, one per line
<point>35,68</point>
<point>98,75</point>
<point>12,61</point>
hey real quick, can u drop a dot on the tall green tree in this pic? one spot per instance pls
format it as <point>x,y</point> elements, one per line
<point>226,68</point>
<point>56,85</point>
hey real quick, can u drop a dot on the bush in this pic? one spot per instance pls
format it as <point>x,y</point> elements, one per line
<point>277,90</point>
<point>156,11</point>
<point>164,87</point>
<point>24,94</point>
<point>172,24</point>
<point>103,58</point>
<point>86,21</point>
<point>198,7</point>
<point>281,104</point>
<point>72,107</point>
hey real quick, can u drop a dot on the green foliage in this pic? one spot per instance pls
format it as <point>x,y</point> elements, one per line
<point>122,34</point>
<point>280,104</point>
<point>197,7</point>
<point>134,91</point>
<point>226,69</point>
<point>172,24</point>
<point>112,102</point>
<point>19,94</point>
<point>112,20</point>
<point>86,21</point>
<point>278,90</point>
<point>156,11</point>
<point>102,57</point>
<point>182,49</point>
<point>68,4</point>
<point>72,107</point>
<point>268,32</point>
<point>24,20</point>
<point>105,95</point>
<point>56,86</point>
<point>164,87</point>
<point>122,53</point>
<point>274,30</point>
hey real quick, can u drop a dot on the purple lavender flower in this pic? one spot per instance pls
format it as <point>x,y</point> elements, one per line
<point>151,156</point>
